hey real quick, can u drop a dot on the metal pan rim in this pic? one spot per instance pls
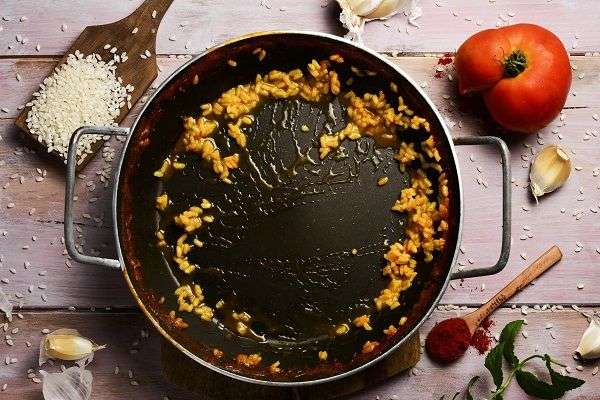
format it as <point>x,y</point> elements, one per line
<point>359,368</point>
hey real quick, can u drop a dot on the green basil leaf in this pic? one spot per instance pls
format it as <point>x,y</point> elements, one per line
<point>493,362</point>
<point>508,335</point>
<point>468,395</point>
<point>561,382</point>
<point>533,386</point>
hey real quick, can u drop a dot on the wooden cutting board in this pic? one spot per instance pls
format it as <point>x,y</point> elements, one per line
<point>134,34</point>
<point>184,372</point>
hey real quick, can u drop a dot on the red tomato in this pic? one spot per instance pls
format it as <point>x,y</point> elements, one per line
<point>522,71</point>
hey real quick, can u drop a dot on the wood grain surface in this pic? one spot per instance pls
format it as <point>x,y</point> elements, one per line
<point>204,23</point>
<point>40,276</point>
<point>129,351</point>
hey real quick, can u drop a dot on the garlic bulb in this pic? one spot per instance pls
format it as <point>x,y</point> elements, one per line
<point>549,170</point>
<point>589,346</point>
<point>67,345</point>
<point>74,383</point>
<point>356,12</point>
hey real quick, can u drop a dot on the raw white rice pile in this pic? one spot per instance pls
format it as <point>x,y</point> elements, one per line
<point>83,91</point>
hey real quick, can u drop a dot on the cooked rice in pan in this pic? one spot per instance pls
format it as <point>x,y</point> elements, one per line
<point>369,115</point>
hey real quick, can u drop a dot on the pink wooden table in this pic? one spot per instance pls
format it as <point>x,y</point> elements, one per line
<point>56,293</point>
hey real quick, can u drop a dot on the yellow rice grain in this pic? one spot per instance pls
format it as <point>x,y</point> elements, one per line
<point>162,201</point>
<point>274,368</point>
<point>383,181</point>
<point>342,329</point>
<point>390,330</point>
<point>217,353</point>
<point>249,361</point>
<point>190,220</point>
<point>369,346</point>
<point>336,58</point>
<point>363,321</point>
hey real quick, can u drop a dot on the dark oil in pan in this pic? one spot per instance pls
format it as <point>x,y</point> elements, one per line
<point>281,245</point>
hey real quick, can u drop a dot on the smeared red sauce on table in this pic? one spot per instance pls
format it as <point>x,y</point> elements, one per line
<point>446,59</point>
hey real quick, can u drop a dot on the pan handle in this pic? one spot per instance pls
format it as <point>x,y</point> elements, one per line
<point>70,188</point>
<point>506,210</point>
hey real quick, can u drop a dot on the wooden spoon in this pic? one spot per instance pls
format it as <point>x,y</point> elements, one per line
<point>137,71</point>
<point>534,270</point>
<point>449,339</point>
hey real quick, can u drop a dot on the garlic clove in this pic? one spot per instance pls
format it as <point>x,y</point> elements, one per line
<point>363,8</point>
<point>387,8</point>
<point>67,345</point>
<point>356,12</point>
<point>589,346</point>
<point>549,170</point>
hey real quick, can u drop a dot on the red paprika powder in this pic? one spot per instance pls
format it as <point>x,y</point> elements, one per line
<point>448,340</point>
<point>482,338</point>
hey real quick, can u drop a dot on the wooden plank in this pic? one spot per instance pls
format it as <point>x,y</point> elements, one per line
<point>206,23</point>
<point>42,276</point>
<point>40,196</point>
<point>122,331</point>
<point>481,233</point>
<point>32,71</point>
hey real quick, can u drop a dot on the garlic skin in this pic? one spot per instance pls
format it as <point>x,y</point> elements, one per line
<point>589,346</point>
<point>5,305</point>
<point>74,383</point>
<point>549,170</point>
<point>356,12</point>
<point>67,345</point>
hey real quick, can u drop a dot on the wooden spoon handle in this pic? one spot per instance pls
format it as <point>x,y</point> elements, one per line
<point>538,267</point>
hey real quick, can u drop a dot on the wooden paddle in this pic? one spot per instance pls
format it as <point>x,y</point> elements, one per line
<point>137,71</point>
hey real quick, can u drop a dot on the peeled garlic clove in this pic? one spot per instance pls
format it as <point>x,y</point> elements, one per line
<point>74,383</point>
<point>67,345</point>
<point>589,346</point>
<point>549,170</point>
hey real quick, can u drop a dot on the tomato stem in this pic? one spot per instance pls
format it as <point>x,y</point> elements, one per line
<point>515,63</point>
